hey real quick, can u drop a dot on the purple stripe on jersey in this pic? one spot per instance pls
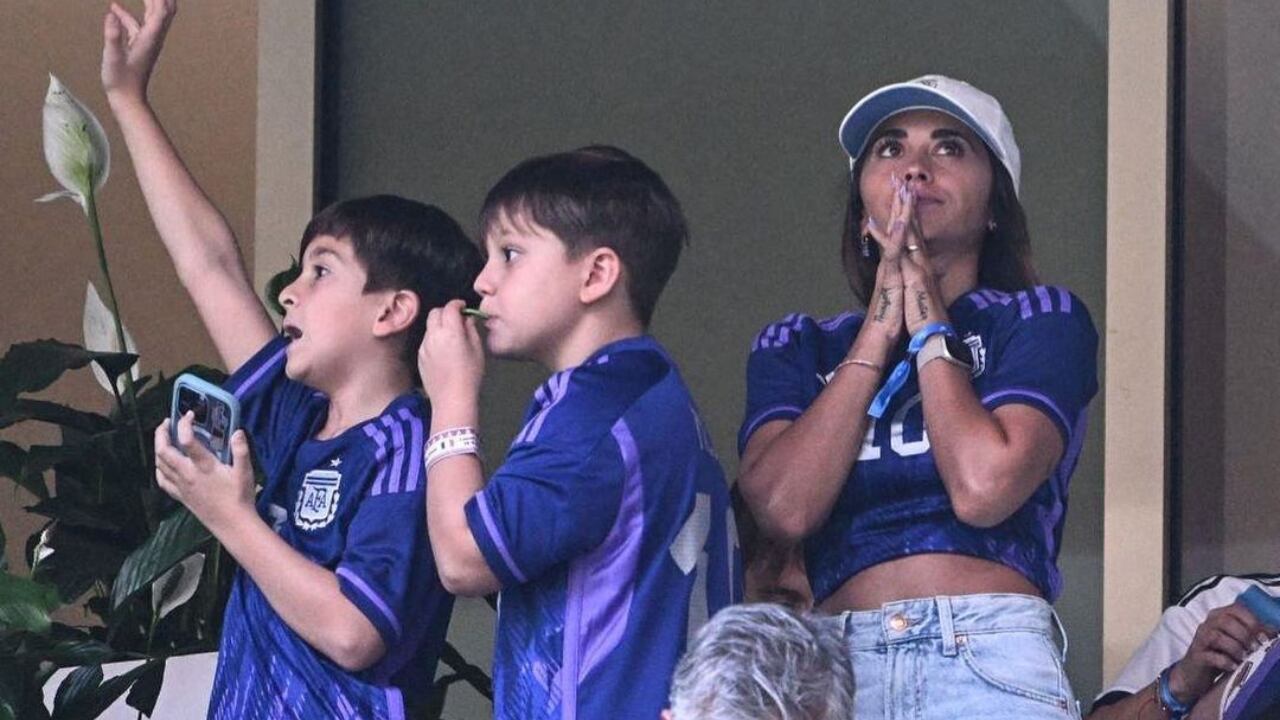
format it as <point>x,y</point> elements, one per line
<point>257,374</point>
<point>602,583</point>
<point>397,457</point>
<point>344,706</point>
<point>1024,303</point>
<point>832,323</point>
<point>373,597</point>
<point>1064,300</point>
<point>1023,392</point>
<point>978,300</point>
<point>1046,305</point>
<point>376,435</point>
<point>602,360</point>
<point>559,388</point>
<point>395,704</point>
<point>767,414</point>
<point>380,454</point>
<point>415,459</point>
<point>498,540</point>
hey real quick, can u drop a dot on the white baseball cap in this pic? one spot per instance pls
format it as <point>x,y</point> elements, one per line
<point>966,103</point>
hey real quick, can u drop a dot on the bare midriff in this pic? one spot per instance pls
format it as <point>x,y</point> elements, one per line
<point>921,576</point>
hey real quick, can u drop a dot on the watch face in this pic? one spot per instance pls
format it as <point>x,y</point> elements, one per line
<point>958,350</point>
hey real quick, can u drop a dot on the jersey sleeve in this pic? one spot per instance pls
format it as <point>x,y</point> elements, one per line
<point>271,405</point>
<point>1048,358</point>
<point>545,506</point>
<point>782,372</point>
<point>386,568</point>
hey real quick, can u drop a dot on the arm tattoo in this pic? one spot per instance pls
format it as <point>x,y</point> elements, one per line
<point>921,305</point>
<point>883,308</point>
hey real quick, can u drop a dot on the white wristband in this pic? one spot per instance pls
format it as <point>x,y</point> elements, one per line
<point>448,443</point>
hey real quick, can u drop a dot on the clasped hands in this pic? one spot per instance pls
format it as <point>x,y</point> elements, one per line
<point>906,297</point>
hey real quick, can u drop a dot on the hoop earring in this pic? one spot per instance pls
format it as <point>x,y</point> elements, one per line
<point>991,225</point>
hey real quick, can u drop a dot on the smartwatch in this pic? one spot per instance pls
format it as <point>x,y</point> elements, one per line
<point>948,348</point>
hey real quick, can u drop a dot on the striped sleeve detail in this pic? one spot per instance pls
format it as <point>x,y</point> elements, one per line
<point>549,394</point>
<point>1042,300</point>
<point>779,334</point>
<point>373,597</point>
<point>263,371</point>
<point>397,452</point>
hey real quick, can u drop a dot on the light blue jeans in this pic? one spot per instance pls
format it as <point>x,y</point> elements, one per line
<point>970,656</point>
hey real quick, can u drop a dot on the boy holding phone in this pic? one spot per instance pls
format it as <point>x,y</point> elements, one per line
<point>337,610</point>
<point>608,526</point>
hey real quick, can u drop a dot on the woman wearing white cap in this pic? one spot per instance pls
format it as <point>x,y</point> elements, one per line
<point>939,548</point>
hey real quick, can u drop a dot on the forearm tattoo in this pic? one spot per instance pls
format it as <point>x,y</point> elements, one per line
<point>883,308</point>
<point>922,305</point>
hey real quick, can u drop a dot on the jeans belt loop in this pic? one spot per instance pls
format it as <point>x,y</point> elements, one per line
<point>1062,631</point>
<point>947,624</point>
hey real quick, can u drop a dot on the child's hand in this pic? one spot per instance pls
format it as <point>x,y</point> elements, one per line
<point>130,49</point>
<point>217,494</point>
<point>451,358</point>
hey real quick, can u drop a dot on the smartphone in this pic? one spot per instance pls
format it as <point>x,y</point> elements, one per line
<point>216,411</point>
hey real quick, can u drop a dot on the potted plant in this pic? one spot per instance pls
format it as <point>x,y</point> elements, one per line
<point>151,580</point>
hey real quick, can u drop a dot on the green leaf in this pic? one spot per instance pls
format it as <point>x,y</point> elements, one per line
<point>23,409</point>
<point>72,514</point>
<point>81,557</point>
<point>177,536</point>
<point>32,366</point>
<point>13,465</point>
<point>90,703</point>
<point>145,692</point>
<point>277,283</point>
<point>81,683</point>
<point>25,604</point>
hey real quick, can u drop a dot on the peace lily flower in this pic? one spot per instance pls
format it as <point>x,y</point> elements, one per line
<point>75,146</point>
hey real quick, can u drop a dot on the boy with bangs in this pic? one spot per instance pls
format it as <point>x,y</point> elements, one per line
<point>336,609</point>
<point>607,528</point>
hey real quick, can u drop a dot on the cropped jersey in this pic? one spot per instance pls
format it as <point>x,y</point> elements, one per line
<point>1036,347</point>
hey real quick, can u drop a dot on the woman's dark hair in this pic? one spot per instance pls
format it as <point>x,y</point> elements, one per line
<point>1005,262</point>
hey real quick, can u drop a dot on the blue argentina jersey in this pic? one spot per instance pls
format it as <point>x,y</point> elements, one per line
<point>1037,347</point>
<point>353,504</point>
<point>609,527</point>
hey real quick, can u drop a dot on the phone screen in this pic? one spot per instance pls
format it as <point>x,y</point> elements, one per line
<point>212,417</point>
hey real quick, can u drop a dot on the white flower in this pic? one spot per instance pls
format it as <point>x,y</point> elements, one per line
<point>75,146</point>
<point>100,335</point>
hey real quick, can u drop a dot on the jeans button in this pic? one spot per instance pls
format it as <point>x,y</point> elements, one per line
<point>899,622</point>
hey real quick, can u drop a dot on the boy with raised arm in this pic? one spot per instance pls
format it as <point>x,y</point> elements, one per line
<point>607,527</point>
<point>336,610</point>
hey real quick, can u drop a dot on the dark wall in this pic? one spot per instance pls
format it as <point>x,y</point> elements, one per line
<point>737,106</point>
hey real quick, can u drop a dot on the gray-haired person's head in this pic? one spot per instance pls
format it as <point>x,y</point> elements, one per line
<point>763,662</point>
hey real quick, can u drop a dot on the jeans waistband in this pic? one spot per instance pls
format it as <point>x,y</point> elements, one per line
<point>947,618</point>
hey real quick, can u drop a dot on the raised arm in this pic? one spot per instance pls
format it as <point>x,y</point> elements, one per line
<point>198,238</point>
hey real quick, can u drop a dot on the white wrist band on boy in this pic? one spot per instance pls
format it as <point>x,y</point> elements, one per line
<point>451,442</point>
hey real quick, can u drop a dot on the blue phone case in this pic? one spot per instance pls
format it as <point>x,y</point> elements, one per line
<point>217,414</point>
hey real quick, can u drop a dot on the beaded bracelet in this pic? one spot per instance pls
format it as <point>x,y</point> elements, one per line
<point>451,442</point>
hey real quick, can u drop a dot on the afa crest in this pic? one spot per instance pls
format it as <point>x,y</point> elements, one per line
<point>318,499</point>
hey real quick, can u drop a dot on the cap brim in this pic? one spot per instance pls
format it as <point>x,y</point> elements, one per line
<point>872,110</point>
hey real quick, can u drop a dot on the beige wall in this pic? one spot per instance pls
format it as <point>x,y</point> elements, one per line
<point>205,89</point>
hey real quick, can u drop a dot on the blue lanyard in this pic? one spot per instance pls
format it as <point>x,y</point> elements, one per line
<point>898,377</point>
